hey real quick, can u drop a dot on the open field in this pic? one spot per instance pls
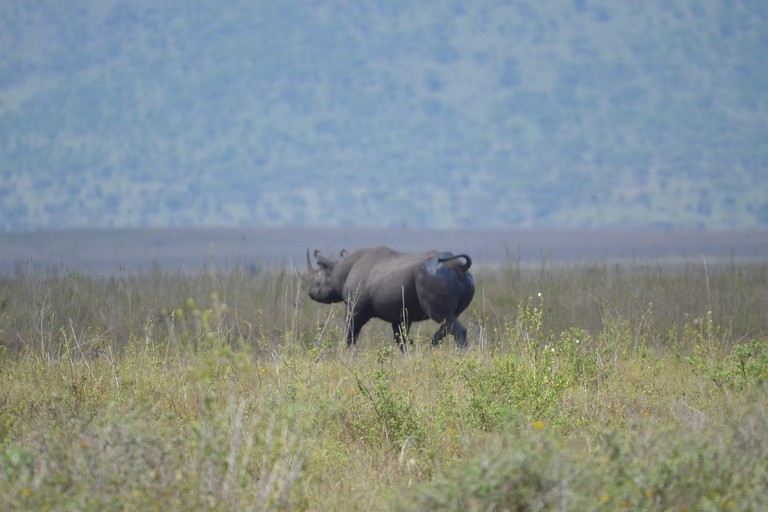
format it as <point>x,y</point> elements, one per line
<point>590,385</point>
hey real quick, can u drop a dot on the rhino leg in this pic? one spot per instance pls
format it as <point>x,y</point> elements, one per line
<point>451,325</point>
<point>460,333</point>
<point>355,322</point>
<point>439,335</point>
<point>400,330</point>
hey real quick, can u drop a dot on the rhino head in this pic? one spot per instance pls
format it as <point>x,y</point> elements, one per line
<point>321,284</point>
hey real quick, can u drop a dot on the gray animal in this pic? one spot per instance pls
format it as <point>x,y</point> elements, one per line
<point>377,282</point>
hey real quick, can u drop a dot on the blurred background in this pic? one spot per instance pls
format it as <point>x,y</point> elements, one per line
<point>560,116</point>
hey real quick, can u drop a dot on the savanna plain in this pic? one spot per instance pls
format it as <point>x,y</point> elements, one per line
<point>595,385</point>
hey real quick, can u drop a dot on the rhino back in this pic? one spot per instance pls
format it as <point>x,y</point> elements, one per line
<point>383,281</point>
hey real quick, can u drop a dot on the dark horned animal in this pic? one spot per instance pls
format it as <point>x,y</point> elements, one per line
<point>398,288</point>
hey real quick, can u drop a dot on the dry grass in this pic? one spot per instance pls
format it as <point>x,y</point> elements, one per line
<point>638,386</point>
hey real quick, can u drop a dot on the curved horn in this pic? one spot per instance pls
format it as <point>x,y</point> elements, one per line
<point>310,271</point>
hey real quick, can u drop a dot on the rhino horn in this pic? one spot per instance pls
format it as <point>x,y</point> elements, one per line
<point>311,271</point>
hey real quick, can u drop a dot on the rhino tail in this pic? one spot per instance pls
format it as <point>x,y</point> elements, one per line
<point>463,268</point>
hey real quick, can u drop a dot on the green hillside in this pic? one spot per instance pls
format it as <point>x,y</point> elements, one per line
<point>579,114</point>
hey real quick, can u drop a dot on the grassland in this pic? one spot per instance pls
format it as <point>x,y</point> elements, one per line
<point>588,386</point>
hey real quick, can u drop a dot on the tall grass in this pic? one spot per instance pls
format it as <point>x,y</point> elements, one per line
<point>588,386</point>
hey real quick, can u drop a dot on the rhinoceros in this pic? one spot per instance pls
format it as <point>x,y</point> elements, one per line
<point>378,282</point>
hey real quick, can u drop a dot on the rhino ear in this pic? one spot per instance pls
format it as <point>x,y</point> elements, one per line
<point>343,253</point>
<point>322,261</point>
